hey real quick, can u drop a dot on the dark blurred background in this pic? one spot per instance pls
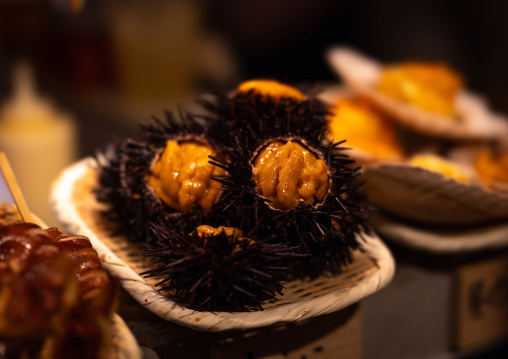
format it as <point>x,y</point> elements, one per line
<point>131,58</point>
<point>109,64</point>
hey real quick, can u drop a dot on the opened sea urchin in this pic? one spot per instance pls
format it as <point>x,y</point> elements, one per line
<point>163,176</point>
<point>286,180</point>
<point>311,203</point>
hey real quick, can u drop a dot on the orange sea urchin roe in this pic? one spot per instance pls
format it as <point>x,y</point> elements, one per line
<point>491,169</point>
<point>431,87</point>
<point>181,177</point>
<point>356,121</point>
<point>270,88</point>
<point>439,164</point>
<point>233,233</point>
<point>209,231</point>
<point>289,173</point>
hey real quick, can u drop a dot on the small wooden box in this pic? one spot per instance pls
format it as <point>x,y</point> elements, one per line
<point>481,296</point>
<point>438,306</point>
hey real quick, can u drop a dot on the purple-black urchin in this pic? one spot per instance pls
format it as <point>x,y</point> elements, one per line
<point>148,180</point>
<point>255,99</point>
<point>305,192</point>
<point>218,269</point>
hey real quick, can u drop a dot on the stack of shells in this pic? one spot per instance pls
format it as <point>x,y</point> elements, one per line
<point>433,153</point>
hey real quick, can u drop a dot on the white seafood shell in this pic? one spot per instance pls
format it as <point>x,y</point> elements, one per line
<point>420,195</point>
<point>442,241</point>
<point>473,119</point>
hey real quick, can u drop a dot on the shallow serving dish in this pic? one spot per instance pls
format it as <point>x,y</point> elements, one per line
<point>77,209</point>
<point>428,197</point>
<point>473,120</point>
<point>442,241</point>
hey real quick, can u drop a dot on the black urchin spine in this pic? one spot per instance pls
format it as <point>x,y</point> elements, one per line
<point>219,272</point>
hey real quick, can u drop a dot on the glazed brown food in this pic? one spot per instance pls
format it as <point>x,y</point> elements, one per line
<point>55,297</point>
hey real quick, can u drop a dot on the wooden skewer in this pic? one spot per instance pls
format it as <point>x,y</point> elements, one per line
<point>14,188</point>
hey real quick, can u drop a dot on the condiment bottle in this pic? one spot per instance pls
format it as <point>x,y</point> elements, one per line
<point>38,140</point>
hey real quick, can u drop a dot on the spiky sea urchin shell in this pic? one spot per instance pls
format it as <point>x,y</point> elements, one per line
<point>124,167</point>
<point>218,272</point>
<point>327,231</point>
<point>222,273</point>
<point>231,113</point>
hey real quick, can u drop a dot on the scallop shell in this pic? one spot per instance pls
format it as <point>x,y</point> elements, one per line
<point>428,197</point>
<point>364,158</point>
<point>75,205</point>
<point>473,119</point>
<point>442,241</point>
<point>329,93</point>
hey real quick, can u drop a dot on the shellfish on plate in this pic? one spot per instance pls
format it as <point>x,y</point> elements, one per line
<point>471,118</point>
<point>370,136</point>
<point>76,207</point>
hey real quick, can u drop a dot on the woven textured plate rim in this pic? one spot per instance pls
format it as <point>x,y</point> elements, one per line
<point>165,308</point>
<point>493,206</point>
<point>125,345</point>
<point>442,241</point>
